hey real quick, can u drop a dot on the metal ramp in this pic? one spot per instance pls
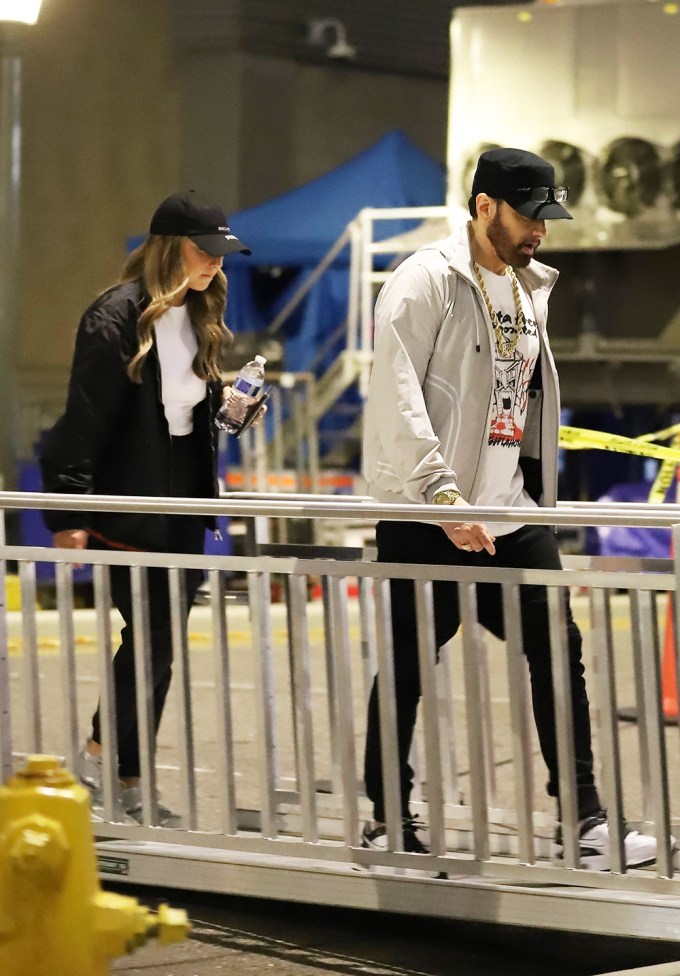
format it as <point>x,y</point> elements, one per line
<point>261,742</point>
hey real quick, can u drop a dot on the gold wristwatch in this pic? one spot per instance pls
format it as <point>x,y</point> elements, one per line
<point>447,496</point>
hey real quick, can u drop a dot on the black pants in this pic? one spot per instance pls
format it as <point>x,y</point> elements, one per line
<point>186,534</point>
<point>531,547</point>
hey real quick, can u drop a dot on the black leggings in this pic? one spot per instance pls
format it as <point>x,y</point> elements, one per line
<point>186,533</point>
<point>530,547</point>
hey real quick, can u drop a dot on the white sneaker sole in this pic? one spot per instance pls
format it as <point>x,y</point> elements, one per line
<point>642,855</point>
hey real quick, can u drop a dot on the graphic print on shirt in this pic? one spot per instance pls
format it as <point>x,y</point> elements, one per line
<point>511,390</point>
<point>512,375</point>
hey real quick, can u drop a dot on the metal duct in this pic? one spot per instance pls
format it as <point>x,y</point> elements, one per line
<point>674,167</point>
<point>570,167</point>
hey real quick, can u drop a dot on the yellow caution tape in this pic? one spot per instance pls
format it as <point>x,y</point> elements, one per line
<point>662,435</point>
<point>578,438</point>
<point>664,479</point>
<point>665,476</point>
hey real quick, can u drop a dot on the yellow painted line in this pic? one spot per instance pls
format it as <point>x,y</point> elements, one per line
<point>86,644</point>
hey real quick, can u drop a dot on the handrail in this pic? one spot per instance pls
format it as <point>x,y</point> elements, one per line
<point>320,506</point>
<point>306,285</point>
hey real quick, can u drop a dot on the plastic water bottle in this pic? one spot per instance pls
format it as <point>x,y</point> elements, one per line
<point>244,391</point>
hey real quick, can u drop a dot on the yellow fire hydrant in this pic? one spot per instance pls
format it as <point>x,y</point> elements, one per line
<point>54,918</point>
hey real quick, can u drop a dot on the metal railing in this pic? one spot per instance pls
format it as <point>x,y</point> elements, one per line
<point>261,742</point>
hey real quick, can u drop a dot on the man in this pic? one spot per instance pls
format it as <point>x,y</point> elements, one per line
<point>463,409</point>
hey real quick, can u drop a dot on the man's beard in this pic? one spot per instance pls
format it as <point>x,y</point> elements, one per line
<point>504,246</point>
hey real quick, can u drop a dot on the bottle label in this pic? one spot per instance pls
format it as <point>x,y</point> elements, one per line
<point>246,387</point>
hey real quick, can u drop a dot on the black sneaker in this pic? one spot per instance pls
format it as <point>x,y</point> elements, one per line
<point>375,836</point>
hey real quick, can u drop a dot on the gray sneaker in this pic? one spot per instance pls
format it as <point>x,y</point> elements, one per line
<point>89,772</point>
<point>131,799</point>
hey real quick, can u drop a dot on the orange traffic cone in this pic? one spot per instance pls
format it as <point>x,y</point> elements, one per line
<point>669,684</point>
<point>669,680</point>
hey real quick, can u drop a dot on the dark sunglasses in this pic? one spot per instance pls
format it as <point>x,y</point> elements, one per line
<point>540,194</point>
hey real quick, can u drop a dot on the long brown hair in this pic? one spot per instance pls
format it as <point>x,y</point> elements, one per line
<point>159,265</point>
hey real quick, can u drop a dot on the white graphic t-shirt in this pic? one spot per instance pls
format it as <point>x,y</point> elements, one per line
<point>502,482</point>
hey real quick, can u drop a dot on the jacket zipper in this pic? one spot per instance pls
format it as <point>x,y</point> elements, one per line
<point>489,325</point>
<point>213,454</point>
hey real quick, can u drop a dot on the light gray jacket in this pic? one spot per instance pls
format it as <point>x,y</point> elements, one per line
<point>428,413</point>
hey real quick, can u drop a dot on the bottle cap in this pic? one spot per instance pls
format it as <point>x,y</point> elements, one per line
<point>261,359</point>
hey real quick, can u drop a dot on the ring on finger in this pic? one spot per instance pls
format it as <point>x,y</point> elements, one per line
<point>467,547</point>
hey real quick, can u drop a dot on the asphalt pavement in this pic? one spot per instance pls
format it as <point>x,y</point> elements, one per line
<point>244,937</point>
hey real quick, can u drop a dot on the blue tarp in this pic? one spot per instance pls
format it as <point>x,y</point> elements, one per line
<point>296,230</point>
<point>626,540</point>
<point>299,227</point>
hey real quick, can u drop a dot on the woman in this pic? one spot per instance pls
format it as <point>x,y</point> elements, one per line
<point>145,386</point>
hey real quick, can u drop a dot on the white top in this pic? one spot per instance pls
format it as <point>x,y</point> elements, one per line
<point>181,389</point>
<point>502,482</point>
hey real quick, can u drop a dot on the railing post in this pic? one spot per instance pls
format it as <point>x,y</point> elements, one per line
<point>366,340</point>
<point>564,725</point>
<point>353,309</point>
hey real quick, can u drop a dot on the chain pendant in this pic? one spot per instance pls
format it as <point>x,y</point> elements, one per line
<point>505,347</point>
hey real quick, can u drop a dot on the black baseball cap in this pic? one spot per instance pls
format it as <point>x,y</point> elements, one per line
<point>523,180</point>
<point>191,215</point>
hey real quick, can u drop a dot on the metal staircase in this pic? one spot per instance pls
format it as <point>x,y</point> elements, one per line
<point>337,444</point>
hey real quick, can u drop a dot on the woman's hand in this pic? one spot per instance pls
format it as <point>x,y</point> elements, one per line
<point>259,416</point>
<point>228,393</point>
<point>469,536</point>
<point>71,539</point>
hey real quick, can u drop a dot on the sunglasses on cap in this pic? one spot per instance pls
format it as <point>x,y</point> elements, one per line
<point>539,194</point>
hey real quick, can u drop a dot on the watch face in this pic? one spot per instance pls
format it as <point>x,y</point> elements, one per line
<point>446,497</point>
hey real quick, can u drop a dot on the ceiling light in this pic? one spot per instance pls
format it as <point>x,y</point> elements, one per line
<point>20,11</point>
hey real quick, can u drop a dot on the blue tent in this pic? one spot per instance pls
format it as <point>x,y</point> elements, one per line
<point>299,227</point>
<point>296,230</point>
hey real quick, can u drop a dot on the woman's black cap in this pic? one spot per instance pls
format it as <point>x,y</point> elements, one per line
<point>190,215</point>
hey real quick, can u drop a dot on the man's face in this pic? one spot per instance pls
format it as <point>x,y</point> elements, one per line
<point>515,238</point>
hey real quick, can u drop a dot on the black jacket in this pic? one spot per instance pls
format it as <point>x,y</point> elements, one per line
<point>113,438</point>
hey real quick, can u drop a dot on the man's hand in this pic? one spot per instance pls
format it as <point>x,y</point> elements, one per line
<point>469,536</point>
<point>70,539</point>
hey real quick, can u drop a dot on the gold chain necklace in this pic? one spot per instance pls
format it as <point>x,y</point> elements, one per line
<point>505,347</point>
